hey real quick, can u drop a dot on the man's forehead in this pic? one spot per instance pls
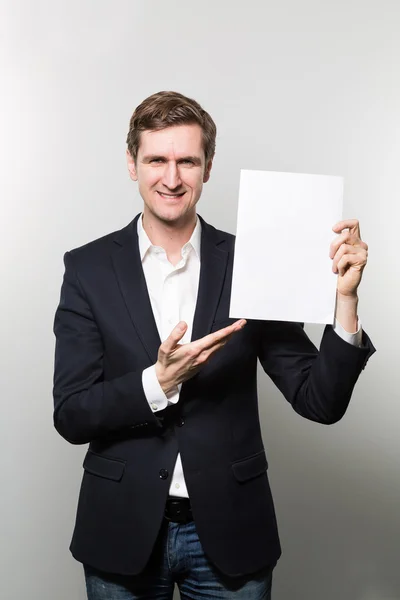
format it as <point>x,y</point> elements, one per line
<point>181,139</point>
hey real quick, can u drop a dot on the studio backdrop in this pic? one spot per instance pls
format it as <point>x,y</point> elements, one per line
<point>304,87</point>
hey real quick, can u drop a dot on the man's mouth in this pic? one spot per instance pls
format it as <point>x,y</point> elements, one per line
<point>170,196</point>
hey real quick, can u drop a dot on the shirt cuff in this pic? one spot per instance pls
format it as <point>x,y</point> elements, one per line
<point>355,339</point>
<point>154,393</point>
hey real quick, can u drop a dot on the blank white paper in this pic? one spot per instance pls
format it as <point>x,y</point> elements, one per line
<point>282,270</point>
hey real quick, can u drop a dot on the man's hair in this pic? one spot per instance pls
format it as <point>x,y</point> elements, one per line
<point>167,109</point>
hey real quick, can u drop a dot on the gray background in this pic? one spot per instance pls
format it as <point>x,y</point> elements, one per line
<point>310,86</point>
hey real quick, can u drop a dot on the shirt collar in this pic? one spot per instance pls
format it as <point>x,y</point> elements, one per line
<point>145,243</point>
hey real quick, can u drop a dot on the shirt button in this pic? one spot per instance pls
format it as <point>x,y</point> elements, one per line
<point>154,406</point>
<point>177,486</point>
<point>163,473</point>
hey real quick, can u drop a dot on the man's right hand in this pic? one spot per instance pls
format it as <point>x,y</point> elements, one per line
<point>179,362</point>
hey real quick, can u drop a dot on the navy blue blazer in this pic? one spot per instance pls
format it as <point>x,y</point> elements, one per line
<point>106,335</point>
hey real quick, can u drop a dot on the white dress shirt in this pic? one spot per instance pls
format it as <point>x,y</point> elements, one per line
<point>173,295</point>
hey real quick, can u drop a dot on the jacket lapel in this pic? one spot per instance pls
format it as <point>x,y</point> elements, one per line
<point>214,260</point>
<point>132,283</point>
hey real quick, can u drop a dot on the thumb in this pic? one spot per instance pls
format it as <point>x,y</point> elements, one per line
<point>175,336</point>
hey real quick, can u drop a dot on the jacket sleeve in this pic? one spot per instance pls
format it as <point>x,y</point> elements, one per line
<point>86,406</point>
<point>318,384</point>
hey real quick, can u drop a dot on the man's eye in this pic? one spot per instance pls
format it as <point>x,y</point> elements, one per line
<point>187,162</point>
<point>156,160</point>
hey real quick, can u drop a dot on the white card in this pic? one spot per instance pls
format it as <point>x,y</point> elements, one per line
<point>282,270</point>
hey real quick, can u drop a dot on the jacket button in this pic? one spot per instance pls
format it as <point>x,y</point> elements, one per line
<point>163,473</point>
<point>181,422</point>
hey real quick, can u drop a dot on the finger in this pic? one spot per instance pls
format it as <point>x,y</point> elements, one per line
<point>195,356</point>
<point>346,238</point>
<point>218,336</point>
<point>337,242</point>
<point>351,260</point>
<point>174,337</point>
<point>195,348</point>
<point>199,352</point>
<point>352,225</point>
<point>344,249</point>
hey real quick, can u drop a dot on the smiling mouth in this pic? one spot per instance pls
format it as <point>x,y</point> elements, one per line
<point>170,196</point>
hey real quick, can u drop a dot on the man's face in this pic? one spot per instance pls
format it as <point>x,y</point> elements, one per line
<point>170,169</point>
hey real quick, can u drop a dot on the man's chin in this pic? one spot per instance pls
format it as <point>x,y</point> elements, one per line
<point>173,215</point>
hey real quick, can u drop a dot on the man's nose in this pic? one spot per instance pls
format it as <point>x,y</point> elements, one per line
<point>171,178</point>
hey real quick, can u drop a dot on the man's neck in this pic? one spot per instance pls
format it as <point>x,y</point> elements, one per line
<point>170,236</point>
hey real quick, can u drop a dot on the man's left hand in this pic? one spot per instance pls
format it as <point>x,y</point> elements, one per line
<point>349,254</point>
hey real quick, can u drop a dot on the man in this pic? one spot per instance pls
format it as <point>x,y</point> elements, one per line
<point>152,373</point>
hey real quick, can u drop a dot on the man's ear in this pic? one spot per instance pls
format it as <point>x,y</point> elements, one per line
<point>131,166</point>
<point>207,171</point>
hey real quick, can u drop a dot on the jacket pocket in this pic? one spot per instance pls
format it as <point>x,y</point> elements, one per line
<point>109,468</point>
<point>250,467</point>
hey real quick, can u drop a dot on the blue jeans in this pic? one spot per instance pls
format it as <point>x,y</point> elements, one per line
<point>177,558</point>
